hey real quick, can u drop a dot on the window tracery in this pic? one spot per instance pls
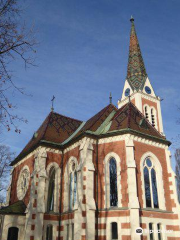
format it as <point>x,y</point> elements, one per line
<point>150,184</point>
<point>23,183</point>
<point>113,182</point>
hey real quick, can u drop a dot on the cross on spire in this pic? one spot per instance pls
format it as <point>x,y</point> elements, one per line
<point>52,100</point>
<point>110,98</point>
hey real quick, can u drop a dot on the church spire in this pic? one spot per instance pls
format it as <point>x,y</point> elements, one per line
<point>136,72</point>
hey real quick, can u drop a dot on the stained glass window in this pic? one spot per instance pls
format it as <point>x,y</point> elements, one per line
<point>113,182</point>
<point>150,184</point>
<point>50,203</point>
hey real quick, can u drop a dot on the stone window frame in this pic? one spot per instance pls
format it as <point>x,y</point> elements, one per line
<point>107,179</point>
<point>57,185</point>
<point>67,172</point>
<point>21,194</point>
<point>159,179</point>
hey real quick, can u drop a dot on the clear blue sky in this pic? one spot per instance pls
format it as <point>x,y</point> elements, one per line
<point>82,56</point>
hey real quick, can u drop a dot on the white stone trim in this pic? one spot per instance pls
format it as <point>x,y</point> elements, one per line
<point>159,179</point>
<point>134,138</point>
<point>107,178</point>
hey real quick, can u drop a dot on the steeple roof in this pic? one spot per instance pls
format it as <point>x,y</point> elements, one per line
<point>136,72</point>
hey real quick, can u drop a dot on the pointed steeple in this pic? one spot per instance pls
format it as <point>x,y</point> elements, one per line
<point>136,72</point>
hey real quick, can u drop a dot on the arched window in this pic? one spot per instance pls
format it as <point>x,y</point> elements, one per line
<point>51,190</point>
<point>146,111</point>
<point>150,184</point>
<point>73,186</point>
<point>49,232</point>
<point>113,182</point>
<point>159,228</point>
<point>13,233</point>
<point>151,231</point>
<point>153,117</point>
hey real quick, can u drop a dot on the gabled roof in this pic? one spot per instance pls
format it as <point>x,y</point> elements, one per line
<point>59,130</point>
<point>136,72</point>
<point>56,128</point>
<point>129,117</point>
<point>16,208</point>
<point>94,123</point>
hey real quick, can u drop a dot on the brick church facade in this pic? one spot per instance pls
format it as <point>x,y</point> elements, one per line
<point>100,179</point>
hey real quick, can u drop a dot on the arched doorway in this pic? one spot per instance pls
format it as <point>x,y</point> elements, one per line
<point>13,233</point>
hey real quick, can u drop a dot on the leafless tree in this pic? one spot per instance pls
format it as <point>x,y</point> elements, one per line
<point>16,41</point>
<point>6,157</point>
<point>177,158</point>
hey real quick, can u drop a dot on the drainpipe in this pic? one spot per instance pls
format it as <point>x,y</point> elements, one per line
<point>97,171</point>
<point>60,210</point>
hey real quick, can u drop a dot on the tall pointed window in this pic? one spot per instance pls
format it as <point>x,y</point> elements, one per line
<point>113,182</point>
<point>73,186</point>
<point>51,190</point>
<point>150,184</point>
<point>49,232</point>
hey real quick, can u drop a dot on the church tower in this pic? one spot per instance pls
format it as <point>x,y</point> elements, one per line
<point>138,86</point>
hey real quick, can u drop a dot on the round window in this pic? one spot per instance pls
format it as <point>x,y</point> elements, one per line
<point>23,183</point>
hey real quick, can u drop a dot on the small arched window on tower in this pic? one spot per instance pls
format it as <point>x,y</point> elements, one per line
<point>49,232</point>
<point>153,117</point>
<point>146,111</point>
<point>51,190</point>
<point>73,186</point>
<point>113,182</point>
<point>150,184</point>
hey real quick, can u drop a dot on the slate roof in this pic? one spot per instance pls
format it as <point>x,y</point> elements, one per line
<point>16,208</point>
<point>136,72</point>
<point>59,130</point>
<point>56,128</point>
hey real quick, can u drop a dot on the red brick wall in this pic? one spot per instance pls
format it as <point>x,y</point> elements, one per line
<point>15,175</point>
<point>103,149</point>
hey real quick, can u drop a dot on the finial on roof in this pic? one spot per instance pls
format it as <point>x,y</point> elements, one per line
<point>110,98</point>
<point>129,98</point>
<point>52,100</point>
<point>131,19</point>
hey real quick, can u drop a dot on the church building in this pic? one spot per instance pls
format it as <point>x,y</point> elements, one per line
<point>109,178</point>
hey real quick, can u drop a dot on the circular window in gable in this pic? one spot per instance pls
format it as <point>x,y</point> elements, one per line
<point>23,183</point>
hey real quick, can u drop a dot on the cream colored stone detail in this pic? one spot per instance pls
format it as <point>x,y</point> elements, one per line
<point>159,179</point>
<point>132,188</point>
<point>134,138</point>
<point>13,221</point>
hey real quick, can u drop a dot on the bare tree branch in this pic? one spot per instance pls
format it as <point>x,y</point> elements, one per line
<point>16,41</point>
